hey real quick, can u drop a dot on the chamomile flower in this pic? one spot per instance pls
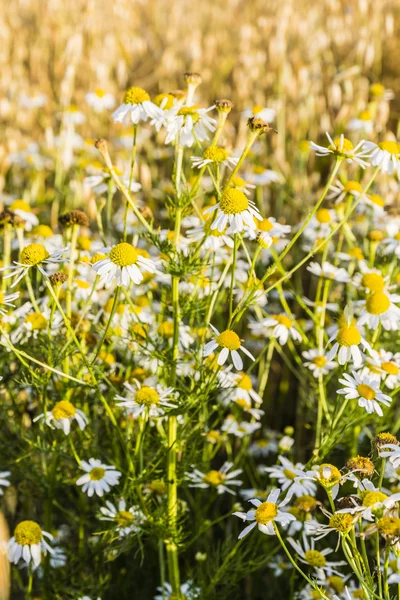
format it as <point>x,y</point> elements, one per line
<point>102,181</point>
<point>4,482</point>
<point>32,256</point>
<point>126,520</point>
<point>62,415</point>
<point>317,362</point>
<point>289,478</point>
<point>329,271</point>
<point>385,155</point>
<point>316,559</point>
<point>230,343</point>
<point>338,191</point>
<point>137,107</point>
<point>343,148</point>
<point>214,155</point>
<point>100,100</point>
<point>122,264</point>
<point>391,244</point>
<point>98,477</point>
<point>281,325</point>
<point>265,515</point>
<point>363,122</point>
<point>241,429</point>
<point>7,300</point>
<point>261,176</point>
<point>380,307</point>
<point>366,391</point>
<point>23,210</point>
<point>347,341</point>
<point>188,123</point>
<point>234,209</point>
<point>188,591</point>
<point>220,480</point>
<point>389,451</point>
<point>213,238</point>
<point>372,500</point>
<point>385,366</point>
<point>29,542</point>
<point>146,399</point>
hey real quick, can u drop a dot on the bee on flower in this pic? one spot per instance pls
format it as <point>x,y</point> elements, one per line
<point>265,514</point>
<point>373,502</point>
<point>62,416</point>
<point>98,477</point>
<point>137,107</point>
<point>261,112</point>
<point>122,263</point>
<point>366,391</point>
<point>230,343</point>
<point>342,148</point>
<point>29,542</point>
<point>220,480</point>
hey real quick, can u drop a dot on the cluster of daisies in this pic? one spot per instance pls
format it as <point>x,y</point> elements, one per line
<point>179,302</point>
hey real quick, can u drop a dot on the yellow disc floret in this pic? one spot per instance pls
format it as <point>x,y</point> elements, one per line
<point>97,473</point>
<point>341,522</point>
<point>266,512</point>
<point>135,95</point>
<point>123,255</point>
<point>147,395</point>
<point>373,282</point>
<point>389,146</point>
<point>34,254</point>
<point>371,498</point>
<point>36,321</point>
<point>233,201</point>
<point>341,145</point>
<point>366,391</point>
<point>390,368</point>
<point>215,153</point>
<point>63,410</point>
<point>319,361</point>
<point>214,478</point>
<point>328,475</point>
<point>27,533</point>
<point>323,215</point>
<point>315,559</point>
<point>348,336</point>
<point>228,339</point>
<point>377,303</point>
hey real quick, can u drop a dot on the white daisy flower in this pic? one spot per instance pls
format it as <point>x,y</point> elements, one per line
<point>385,155</point>
<point>220,480</point>
<point>282,327</point>
<point>100,100</point>
<point>236,210</point>
<point>188,591</point>
<point>137,107</point>
<point>73,116</point>
<point>35,101</point>
<point>213,238</point>
<point>28,542</point>
<point>343,148</point>
<point>261,176</point>
<point>363,122</point>
<point>385,366</point>
<point>317,362</point>
<point>366,391</point>
<point>289,478</point>
<point>126,520</point>
<point>390,451</point>
<point>347,342</point>
<point>242,429</point>
<point>373,500</point>
<point>316,559</point>
<point>261,112</point>
<point>62,415</point>
<point>98,477</point>
<point>190,123</point>
<point>23,210</point>
<point>380,307</point>
<point>4,480</point>
<point>122,264</point>
<point>214,155</point>
<point>230,343</point>
<point>100,182</point>
<point>391,243</point>
<point>265,514</point>
<point>329,271</point>
<point>33,255</point>
<point>146,399</point>
<point>7,300</point>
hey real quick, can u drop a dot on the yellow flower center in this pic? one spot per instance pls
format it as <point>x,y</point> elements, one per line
<point>168,104</point>
<point>27,533</point>
<point>377,89</point>
<point>135,95</point>
<point>389,526</point>
<point>233,201</point>
<point>63,410</point>
<point>336,583</point>
<point>376,235</point>
<point>376,199</point>
<point>238,182</point>
<point>84,285</point>
<point>214,478</point>
<point>365,115</point>
<point>191,111</point>
<point>306,503</point>
<point>257,108</point>
<point>100,93</point>
<point>36,321</point>
<point>97,473</point>
<point>315,559</point>
<point>371,498</point>
<point>228,339</point>
<point>20,205</point>
<point>373,282</point>
<point>124,518</point>
<point>348,336</point>
<point>397,236</point>
<point>352,186</point>
<point>366,391</point>
<point>157,486</point>
<point>266,512</point>
<point>342,146</point>
<point>123,255</point>
<point>215,153</point>
<point>243,403</point>
<point>329,475</point>
<point>283,320</point>
<point>43,231</point>
<point>147,395</point>
<point>341,522</point>
<point>377,303</point>
<point>389,146</point>
<point>289,474</point>
<point>390,368</point>
<point>265,225</point>
<point>245,383</point>
<point>356,253</point>
<point>323,215</point>
<point>33,255</point>
<point>319,361</point>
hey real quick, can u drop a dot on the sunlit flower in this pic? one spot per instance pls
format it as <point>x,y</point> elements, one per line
<point>230,343</point>
<point>282,328</point>
<point>220,480</point>
<point>137,106</point>
<point>347,341</point>
<point>29,542</point>
<point>122,264</point>
<point>188,123</point>
<point>372,500</point>
<point>234,209</point>
<point>213,238</point>
<point>33,255</point>
<point>317,362</point>
<point>366,391</point>
<point>385,155</point>
<point>214,155</point>
<point>7,300</point>
<point>62,415</point>
<point>343,148</point>
<point>289,478</point>
<point>146,400</point>
<point>391,243</point>
<point>261,112</point>
<point>265,514</point>
<point>100,100</point>
<point>98,477</point>
<point>363,122</point>
<point>314,558</point>
<point>126,520</point>
<point>380,307</point>
<point>23,210</point>
<point>329,271</point>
